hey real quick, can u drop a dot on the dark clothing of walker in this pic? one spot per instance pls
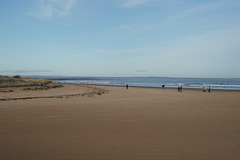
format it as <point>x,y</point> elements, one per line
<point>179,89</point>
<point>127,86</point>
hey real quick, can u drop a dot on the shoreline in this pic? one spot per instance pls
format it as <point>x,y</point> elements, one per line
<point>196,83</point>
<point>118,86</point>
<point>172,88</point>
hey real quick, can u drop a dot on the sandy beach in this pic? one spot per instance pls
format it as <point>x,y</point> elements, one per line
<point>86,122</point>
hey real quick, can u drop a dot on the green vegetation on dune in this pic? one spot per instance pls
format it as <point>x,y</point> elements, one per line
<point>19,82</point>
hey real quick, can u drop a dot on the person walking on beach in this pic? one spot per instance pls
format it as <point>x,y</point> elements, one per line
<point>181,89</point>
<point>204,89</point>
<point>178,89</point>
<point>126,86</point>
<point>209,89</point>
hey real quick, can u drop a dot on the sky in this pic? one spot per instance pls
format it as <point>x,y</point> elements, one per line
<point>120,38</point>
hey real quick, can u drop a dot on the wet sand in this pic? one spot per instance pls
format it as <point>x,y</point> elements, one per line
<point>112,123</point>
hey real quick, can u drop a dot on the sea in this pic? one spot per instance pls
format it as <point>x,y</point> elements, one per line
<point>214,83</point>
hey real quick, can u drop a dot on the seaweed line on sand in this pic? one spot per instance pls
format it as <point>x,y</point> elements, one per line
<point>89,94</point>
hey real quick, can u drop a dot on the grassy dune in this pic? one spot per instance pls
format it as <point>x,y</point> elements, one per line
<point>19,82</point>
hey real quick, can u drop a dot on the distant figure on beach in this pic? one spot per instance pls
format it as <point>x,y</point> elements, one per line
<point>163,86</point>
<point>178,89</point>
<point>181,89</point>
<point>204,89</point>
<point>126,86</point>
<point>209,90</point>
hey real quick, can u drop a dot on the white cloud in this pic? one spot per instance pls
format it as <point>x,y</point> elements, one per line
<point>50,8</point>
<point>141,71</point>
<point>199,9</point>
<point>20,70</point>
<point>125,51</point>
<point>133,3</point>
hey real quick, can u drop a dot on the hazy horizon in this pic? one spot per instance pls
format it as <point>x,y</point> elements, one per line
<point>85,77</point>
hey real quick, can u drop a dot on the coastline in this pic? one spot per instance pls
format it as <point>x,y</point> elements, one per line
<point>215,83</point>
<point>40,92</point>
<point>172,88</point>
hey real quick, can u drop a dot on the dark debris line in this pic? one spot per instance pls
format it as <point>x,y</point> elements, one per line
<point>90,94</point>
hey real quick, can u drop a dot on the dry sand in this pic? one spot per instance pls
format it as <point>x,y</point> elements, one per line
<point>112,123</point>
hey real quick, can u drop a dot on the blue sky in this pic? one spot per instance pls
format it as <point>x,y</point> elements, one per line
<point>166,38</point>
